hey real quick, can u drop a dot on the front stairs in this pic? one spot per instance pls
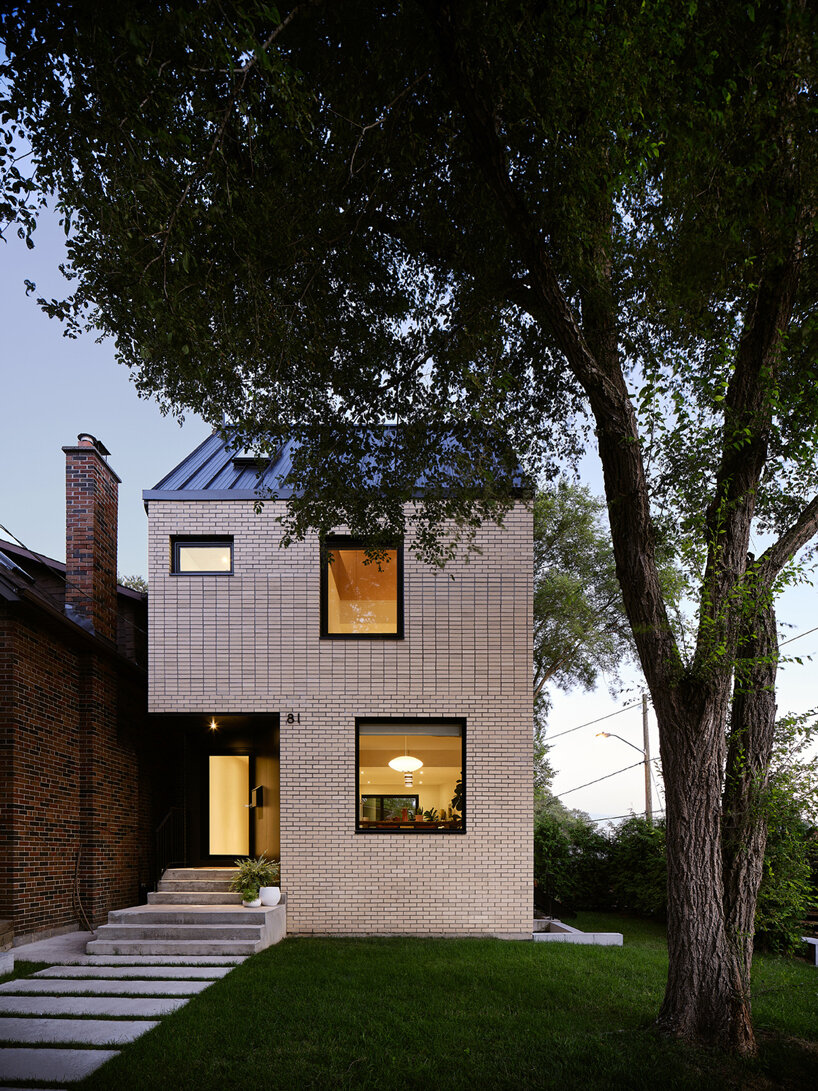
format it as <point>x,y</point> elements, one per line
<point>194,912</point>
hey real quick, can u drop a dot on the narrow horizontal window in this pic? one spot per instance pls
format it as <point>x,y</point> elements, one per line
<point>361,596</point>
<point>410,776</point>
<point>201,556</point>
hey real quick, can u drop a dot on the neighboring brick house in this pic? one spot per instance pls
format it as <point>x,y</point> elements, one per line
<point>76,821</point>
<point>274,669</point>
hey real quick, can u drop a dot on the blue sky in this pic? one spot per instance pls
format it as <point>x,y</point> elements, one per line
<point>53,388</point>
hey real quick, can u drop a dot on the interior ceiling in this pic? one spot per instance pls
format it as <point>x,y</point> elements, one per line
<point>433,750</point>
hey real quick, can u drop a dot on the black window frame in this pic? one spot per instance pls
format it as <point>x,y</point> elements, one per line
<point>409,828</point>
<point>218,540</point>
<point>381,796</point>
<point>347,541</point>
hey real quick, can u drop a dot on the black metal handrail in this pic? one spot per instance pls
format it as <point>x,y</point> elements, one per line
<point>170,842</point>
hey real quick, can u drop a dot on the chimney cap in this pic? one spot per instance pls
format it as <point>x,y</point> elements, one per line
<point>87,443</point>
<point>85,439</point>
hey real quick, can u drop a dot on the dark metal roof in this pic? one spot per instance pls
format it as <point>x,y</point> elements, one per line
<point>217,471</point>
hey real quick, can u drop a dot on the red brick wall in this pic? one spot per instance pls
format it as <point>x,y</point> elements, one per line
<point>91,488</point>
<point>6,765</point>
<point>72,725</point>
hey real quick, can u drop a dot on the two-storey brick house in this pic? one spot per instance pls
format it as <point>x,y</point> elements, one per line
<point>292,685</point>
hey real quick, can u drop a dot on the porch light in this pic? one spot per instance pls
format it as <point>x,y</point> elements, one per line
<point>213,725</point>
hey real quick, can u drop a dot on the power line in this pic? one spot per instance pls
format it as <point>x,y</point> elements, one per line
<point>606,777</point>
<point>798,637</point>
<point>599,720</point>
<point>616,817</point>
<point>48,563</point>
<point>636,704</point>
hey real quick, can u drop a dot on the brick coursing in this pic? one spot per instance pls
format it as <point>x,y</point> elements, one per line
<point>71,780</point>
<point>77,770</point>
<point>91,501</point>
<point>250,642</point>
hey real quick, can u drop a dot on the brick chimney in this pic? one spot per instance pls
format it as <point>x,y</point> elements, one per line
<point>91,500</point>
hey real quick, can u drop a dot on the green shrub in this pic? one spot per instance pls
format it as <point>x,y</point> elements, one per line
<point>638,867</point>
<point>582,868</point>
<point>570,857</point>
<point>786,884</point>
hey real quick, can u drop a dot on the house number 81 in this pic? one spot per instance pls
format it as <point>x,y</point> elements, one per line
<point>293,718</point>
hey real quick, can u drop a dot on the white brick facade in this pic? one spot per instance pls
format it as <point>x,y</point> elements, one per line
<point>250,643</point>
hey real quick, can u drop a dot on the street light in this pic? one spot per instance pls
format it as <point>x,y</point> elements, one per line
<point>645,755</point>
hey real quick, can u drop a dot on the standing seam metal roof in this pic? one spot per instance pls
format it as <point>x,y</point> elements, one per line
<point>217,471</point>
<point>214,468</point>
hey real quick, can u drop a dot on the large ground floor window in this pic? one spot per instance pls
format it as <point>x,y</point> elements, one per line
<point>410,776</point>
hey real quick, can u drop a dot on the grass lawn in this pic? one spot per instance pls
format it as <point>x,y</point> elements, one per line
<point>446,1015</point>
<point>23,969</point>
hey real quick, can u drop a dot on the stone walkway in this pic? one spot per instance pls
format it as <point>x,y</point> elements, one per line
<point>67,1020</point>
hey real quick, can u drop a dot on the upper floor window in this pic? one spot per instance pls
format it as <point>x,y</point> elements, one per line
<point>361,596</point>
<point>202,556</point>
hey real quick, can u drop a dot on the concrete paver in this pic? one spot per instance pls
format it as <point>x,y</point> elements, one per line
<point>135,1007</point>
<point>154,960</point>
<point>91,1000</point>
<point>53,949</point>
<point>88,1032</point>
<point>63,1065</point>
<point>185,973</point>
<point>111,988</point>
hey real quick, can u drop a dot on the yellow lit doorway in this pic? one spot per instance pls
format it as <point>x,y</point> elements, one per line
<point>229,795</point>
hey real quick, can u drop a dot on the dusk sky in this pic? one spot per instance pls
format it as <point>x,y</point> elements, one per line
<point>53,388</point>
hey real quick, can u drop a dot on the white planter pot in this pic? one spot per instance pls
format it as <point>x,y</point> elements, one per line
<point>270,895</point>
<point>254,904</point>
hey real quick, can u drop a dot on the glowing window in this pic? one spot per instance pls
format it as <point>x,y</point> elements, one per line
<point>198,556</point>
<point>361,596</point>
<point>410,776</point>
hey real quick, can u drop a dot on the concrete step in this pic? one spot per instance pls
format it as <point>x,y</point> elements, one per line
<point>187,897</point>
<point>174,947</point>
<point>198,874</point>
<point>194,885</point>
<point>178,931</point>
<point>187,915</point>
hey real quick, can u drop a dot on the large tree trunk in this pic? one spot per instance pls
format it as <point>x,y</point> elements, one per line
<point>701,995</point>
<point>749,753</point>
<point>706,997</point>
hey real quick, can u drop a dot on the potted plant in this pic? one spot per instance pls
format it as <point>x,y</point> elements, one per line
<point>255,879</point>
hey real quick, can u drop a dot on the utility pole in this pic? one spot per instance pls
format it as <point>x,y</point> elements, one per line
<point>646,740</point>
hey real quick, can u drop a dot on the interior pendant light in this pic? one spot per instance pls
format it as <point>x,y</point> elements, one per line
<point>405,763</point>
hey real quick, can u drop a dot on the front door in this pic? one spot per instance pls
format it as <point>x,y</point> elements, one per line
<point>235,790</point>
<point>229,827</point>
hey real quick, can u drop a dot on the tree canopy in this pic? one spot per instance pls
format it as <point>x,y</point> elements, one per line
<point>515,220</point>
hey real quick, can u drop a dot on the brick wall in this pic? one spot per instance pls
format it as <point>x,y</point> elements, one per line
<point>91,498</point>
<point>72,781</point>
<point>250,642</point>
